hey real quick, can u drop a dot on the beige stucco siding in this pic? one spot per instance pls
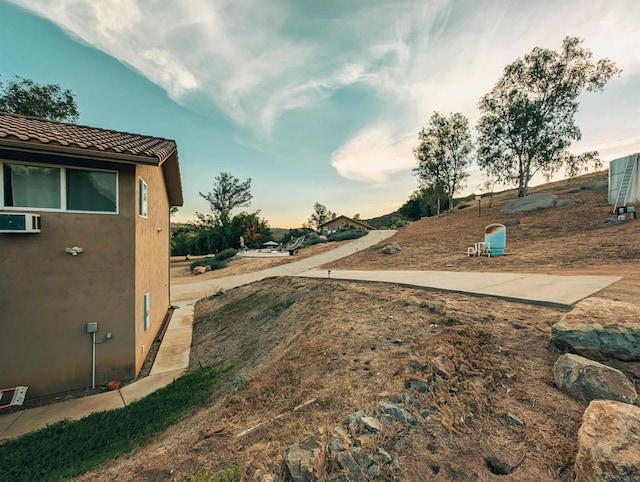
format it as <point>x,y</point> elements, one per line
<point>47,297</point>
<point>151,260</point>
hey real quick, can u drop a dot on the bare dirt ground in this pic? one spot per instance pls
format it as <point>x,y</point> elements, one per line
<point>339,347</point>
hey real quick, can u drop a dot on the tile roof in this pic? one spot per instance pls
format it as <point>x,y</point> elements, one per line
<point>29,133</point>
<point>22,129</point>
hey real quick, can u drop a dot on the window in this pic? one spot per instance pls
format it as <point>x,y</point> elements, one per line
<point>146,307</point>
<point>142,198</point>
<point>31,186</point>
<point>58,188</point>
<point>91,190</point>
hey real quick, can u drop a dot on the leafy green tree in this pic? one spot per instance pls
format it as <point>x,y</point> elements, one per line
<point>254,229</point>
<point>227,194</point>
<point>528,119</point>
<point>422,203</point>
<point>50,101</point>
<point>319,216</point>
<point>443,154</point>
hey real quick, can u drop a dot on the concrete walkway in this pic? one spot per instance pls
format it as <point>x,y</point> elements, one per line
<point>173,356</point>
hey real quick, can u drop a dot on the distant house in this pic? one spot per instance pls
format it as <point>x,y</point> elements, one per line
<point>341,221</point>
<point>84,238</point>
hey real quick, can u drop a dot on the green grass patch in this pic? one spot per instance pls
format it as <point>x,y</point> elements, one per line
<point>230,474</point>
<point>69,448</point>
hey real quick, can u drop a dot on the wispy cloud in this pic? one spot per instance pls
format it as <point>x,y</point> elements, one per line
<point>259,60</point>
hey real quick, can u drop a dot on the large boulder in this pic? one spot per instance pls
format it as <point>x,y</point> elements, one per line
<point>305,460</point>
<point>392,248</point>
<point>599,329</point>
<point>609,443</point>
<point>587,380</point>
<point>530,203</point>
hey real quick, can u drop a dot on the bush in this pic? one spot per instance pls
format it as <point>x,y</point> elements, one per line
<point>212,262</point>
<point>226,254</point>
<point>313,239</point>
<point>351,234</point>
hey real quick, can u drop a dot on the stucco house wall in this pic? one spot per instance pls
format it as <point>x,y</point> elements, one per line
<point>47,295</point>
<point>151,255</point>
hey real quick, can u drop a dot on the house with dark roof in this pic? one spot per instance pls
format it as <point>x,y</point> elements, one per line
<point>342,222</point>
<point>84,251</point>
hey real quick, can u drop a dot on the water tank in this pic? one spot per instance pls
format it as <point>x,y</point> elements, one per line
<point>496,236</point>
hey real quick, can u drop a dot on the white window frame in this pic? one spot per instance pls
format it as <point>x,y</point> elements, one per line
<point>143,198</point>
<point>63,188</point>
<point>146,310</point>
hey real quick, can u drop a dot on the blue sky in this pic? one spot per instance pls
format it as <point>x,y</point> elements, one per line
<point>314,100</point>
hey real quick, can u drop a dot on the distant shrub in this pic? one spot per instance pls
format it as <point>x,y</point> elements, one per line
<point>212,262</point>
<point>351,234</point>
<point>226,254</point>
<point>314,239</point>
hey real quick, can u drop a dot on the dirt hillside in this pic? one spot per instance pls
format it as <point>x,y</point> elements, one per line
<point>305,354</point>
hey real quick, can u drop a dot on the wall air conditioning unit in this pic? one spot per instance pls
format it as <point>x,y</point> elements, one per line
<point>20,223</point>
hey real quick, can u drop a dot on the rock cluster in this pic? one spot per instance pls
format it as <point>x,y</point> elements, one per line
<point>609,438</point>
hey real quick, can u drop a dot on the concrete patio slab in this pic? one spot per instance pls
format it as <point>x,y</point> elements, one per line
<point>548,289</point>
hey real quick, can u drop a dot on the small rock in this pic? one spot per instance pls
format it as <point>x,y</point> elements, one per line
<point>347,462</point>
<point>587,380</point>
<point>511,222</point>
<point>374,471</point>
<point>367,461</point>
<point>305,460</point>
<point>207,268</point>
<point>371,424</point>
<point>340,440</point>
<point>444,365</point>
<point>199,270</point>
<point>417,385</point>
<point>415,366</point>
<point>513,420</point>
<point>353,420</point>
<point>397,341</point>
<point>385,457</point>
<point>608,443</point>
<point>398,412</point>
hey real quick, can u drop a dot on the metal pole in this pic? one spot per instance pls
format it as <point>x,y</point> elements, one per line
<point>93,361</point>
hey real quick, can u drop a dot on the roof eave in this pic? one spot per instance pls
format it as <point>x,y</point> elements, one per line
<point>79,152</point>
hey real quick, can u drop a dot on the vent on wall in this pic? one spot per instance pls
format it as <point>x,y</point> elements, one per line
<point>20,223</point>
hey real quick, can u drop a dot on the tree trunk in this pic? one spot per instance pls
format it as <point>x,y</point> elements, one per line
<point>450,203</point>
<point>438,207</point>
